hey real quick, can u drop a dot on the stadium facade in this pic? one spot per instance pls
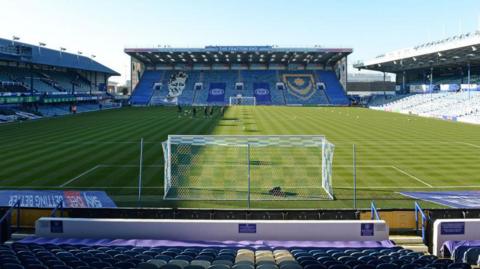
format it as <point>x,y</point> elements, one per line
<point>214,74</point>
<point>36,81</point>
<point>454,60</point>
<point>439,79</point>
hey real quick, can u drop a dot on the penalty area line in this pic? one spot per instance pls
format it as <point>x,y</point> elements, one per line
<point>89,187</point>
<point>469,144</point>
<point>79,176</point>
<point>129,165</point>
<point>411,176</point>
<point>104,165</point>
<point>162,187</point>
<point>407,188</point>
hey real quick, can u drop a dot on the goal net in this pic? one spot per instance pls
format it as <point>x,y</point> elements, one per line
<point>211,167</point>
<point>242,101</point>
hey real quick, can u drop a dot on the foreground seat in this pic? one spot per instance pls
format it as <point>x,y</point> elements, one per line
<point>459,265</point>
<point>471,255</point>
<point>157,263</point>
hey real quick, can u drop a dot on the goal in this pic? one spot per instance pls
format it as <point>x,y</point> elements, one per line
<point>223,167</point>
<point>242,101</point>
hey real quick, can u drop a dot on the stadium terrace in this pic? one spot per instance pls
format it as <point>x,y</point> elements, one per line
<point>217,75</point>
<point>36,81</point>
<point>240,157</point>
<point>454,59</point>
<point>439,79</point>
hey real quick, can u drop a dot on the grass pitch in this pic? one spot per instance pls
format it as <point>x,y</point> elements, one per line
<point>100,150</point>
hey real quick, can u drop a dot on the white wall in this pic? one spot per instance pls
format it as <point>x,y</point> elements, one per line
<point>216,230</point>
<point>452,231</point>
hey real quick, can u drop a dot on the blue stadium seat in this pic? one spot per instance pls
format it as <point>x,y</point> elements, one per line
<point>124,265</point>
<point>333,93</point>
<point>147,265</point>
<point>471,255</point>
<point>170,266</point>
<point>242,266</point>
<point>157,263</point>
<point>12,266</point>
<point>144,90</point>
<point>267,266</point>
<point>180,263</point>
<point>67,256</point>
<point>219,266</point>
<point>315,266</point>
<point>339,266</point>
<point>364,266</point>
<point>194,267</point>
<point>459,265</point>
<point>345,259</point>
<point>206,256</point>
<point>328,264</point>
<point>224,262</point>
<point>163,257</point>
<point>387,266</point>
<point>184,257</point>
<point>366,259</point>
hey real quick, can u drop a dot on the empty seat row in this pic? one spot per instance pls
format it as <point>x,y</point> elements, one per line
<point>37,256</point>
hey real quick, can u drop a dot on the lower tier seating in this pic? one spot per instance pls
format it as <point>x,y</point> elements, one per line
<point>125,254</point>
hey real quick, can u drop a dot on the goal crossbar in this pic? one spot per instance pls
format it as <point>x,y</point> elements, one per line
<point>242,101</point>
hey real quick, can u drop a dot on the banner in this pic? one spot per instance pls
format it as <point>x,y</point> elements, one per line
<point>18,99</point>
<point>50,199</point>
<point>261,91</point>
<point>449,87</point>
<point>216,93</point>
<point>453,199</point>
<point>63,99</point>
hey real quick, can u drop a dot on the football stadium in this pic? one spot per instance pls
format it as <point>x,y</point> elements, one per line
<point>247,156</point>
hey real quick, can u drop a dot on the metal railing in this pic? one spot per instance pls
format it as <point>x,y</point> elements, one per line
<point>5,221</point>
<point>374,212</point>
<point>419,209</point>
<point>53,214</point>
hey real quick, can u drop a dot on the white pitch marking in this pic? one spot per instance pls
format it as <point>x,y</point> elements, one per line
<point>412,176</point>
<point>129,165</point>
<point>365,166</point>
<point>468,144</point>
<point>79,176</point>
<point>416,187</point>
<point>161,187</point>
<point>103,165</point>
<point>89,187</point>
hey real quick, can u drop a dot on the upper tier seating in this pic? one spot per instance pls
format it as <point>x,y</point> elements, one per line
<point>45,81</point>
<point>125,256</point>
<point>12,87</point>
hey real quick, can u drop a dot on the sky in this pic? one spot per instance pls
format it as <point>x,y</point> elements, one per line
<point>105,27</point>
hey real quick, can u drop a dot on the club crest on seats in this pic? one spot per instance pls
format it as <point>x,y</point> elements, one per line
<point>300,85</point>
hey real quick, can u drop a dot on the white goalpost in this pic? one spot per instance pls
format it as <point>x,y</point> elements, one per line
<point>242,101</point>
<point>236,167</point>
